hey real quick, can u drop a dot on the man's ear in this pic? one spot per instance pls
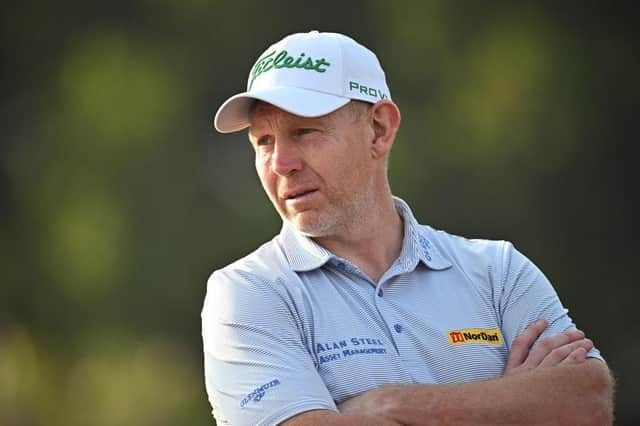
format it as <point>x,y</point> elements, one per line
<point>384,117</point>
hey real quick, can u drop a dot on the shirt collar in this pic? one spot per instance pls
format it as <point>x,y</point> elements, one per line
<point>416,245</point>
<point>304,254</point>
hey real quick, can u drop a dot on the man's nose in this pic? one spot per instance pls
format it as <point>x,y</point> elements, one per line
<point>286,158</point>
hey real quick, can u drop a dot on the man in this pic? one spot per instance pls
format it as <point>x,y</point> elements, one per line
<point>357,314</point>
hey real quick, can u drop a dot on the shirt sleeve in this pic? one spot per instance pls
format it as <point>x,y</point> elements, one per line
<point>527,296</point>
<point>258,370</point>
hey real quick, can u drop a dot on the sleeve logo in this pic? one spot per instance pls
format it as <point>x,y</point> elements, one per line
<point>491,336</point>
<point>257,394</point>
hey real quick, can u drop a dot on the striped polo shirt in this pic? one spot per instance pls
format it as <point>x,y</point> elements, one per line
<point>293,327</point>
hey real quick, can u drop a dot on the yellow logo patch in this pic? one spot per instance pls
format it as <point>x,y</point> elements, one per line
<point>491,336</point>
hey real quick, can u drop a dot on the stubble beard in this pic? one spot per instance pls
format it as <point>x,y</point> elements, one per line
<point>342,215</point>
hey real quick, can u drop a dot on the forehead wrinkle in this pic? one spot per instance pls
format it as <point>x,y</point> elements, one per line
<point>263,118</point>
<point>270,117</point>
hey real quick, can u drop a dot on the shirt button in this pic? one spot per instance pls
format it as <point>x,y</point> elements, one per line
<point>398,328</point>
<point>341,265</point>
<point>380,293</point>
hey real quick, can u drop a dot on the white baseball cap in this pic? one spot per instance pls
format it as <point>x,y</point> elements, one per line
<point>307,74</point>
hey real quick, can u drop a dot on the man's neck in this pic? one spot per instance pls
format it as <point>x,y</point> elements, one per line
<point>373,242</point>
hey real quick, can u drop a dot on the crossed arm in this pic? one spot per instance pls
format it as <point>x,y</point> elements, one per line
<point>553,384</point>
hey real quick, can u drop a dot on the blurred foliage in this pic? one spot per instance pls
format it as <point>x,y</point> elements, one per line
<point>117,199</point>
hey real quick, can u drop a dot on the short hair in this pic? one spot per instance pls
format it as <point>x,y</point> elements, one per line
<point>358,109</point>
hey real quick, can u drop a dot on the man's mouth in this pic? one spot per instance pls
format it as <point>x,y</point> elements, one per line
<point>292,195</point>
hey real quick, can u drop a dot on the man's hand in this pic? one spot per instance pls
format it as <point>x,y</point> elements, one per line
<point>569,347</point>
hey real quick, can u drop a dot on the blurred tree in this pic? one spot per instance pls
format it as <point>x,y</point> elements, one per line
<point>117,199</point>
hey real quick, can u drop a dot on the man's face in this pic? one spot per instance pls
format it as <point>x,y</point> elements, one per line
<point>318,172</point>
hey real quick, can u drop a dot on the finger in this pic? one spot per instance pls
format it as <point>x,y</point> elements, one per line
<point>559,355</point>
<point>576,357</point>
<point>549,344</point>
<point>521,344</point>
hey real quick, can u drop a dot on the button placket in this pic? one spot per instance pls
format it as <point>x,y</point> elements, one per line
<point>389,317</point>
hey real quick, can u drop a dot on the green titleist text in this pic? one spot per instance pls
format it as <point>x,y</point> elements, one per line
<point>282,59</point>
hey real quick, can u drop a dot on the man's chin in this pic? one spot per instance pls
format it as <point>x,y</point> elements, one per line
<point>308,226</point>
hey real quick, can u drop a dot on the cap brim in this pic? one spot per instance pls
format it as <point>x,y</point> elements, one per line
<point>233,115</point>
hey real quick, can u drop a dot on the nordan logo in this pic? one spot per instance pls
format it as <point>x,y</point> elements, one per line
<point>491,336</point>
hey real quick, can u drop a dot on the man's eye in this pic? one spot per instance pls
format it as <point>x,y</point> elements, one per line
<point>304,131</point>
<point>264,140</point>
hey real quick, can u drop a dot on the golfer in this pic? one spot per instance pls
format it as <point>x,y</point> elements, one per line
<point>356,313</point>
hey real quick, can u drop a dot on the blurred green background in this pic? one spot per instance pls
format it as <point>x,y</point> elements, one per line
<point>117,200</point>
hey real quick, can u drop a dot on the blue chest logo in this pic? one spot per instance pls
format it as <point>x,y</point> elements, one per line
<point>340,349</point>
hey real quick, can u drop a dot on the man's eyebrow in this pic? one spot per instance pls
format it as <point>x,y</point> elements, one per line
<point>253,131</point>
<point>252,135</point>
<point>312,122</point>
<point>256,128</point>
